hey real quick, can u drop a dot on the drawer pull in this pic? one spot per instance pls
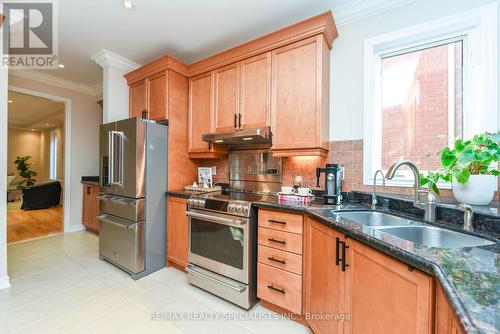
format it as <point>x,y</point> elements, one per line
<point>277,221</point>
<point>283,242</point>
<point>272,258</point>
<point>280,290</point>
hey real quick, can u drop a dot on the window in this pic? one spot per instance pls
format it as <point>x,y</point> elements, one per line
<point>424,87</point>
<point>53,155</point>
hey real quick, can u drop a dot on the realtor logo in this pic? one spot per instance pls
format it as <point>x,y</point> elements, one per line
<point>29,34</point>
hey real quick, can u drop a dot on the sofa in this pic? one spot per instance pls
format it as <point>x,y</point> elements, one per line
<point>42,196</point>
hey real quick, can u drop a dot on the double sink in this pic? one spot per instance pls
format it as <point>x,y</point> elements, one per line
<point>417,232</point>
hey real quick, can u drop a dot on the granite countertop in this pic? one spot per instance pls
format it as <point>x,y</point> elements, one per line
<point>90,180</point>
<point>469,276</point>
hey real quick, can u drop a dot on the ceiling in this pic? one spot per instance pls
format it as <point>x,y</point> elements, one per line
<point>32,112</point>
<point>189,30</point>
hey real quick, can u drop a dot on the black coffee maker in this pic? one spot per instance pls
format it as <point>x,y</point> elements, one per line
<point>334,173</point>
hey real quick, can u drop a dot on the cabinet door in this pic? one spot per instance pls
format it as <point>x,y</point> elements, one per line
<point>86,205</point>
<point>138,98</point>
<point>385,295</point>
<point>255,91</point>
<point>177,231</point>
<point>295,95</point>
<point>200,111</point>
<point>96,225</point>
<point>323,291</point>
<point>446,320</point>
<point>158,97</point>
<point>226,94</point>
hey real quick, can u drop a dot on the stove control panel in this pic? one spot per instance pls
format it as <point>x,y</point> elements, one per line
<point>238,208</point>
<point>196,203</point>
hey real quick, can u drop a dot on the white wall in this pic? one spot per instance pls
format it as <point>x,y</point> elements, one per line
<point>346,79</point>
<point>85,120</point>
<point>115,94</point>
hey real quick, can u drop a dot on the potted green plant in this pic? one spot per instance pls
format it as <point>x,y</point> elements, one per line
<point>471,166</point>
<point>23,166</point>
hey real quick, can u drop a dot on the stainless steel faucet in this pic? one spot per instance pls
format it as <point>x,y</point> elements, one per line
<point>428,204</point>
<point>468,216</point>
<point>374,194</point>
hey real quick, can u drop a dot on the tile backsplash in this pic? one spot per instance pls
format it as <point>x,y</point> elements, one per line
<point>348,153</point>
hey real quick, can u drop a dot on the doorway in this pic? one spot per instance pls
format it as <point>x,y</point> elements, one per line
<point>35,166</point>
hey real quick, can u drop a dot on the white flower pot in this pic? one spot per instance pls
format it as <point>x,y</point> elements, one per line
<point>479,190</point>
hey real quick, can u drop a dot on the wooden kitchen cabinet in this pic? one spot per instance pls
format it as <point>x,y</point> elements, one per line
<point>90,207</point>
<point>226,98</point>
<point>323,278</point>
<point>380,294</point>
<point>300,98</point>
<point>177,232</point>
<point>157,96</point>
<point>255,91</point>
<point>446,319</point>
<point>138,98</point>
<point>201,116</point>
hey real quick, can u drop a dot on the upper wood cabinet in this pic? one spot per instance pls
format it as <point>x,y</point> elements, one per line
<point>255,91</point>
<point>157,99</point>
<point>201,116</point>
<point>226,98</point>
<point>300,98</point>
<point>381,294</point>
<point>138,96</point>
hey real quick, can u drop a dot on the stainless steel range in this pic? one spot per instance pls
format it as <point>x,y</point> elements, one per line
<point>223,230</point>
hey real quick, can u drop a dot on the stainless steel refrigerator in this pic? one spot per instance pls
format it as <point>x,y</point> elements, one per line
<point>133,181</point>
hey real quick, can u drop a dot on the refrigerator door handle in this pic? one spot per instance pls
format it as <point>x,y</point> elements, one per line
<point>113,159</point>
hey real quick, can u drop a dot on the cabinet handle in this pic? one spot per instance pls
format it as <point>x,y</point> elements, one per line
<point>239,120</point>
<point>277,221</point>
<point>337,251</point>
<point>235,121</point>
<point>89,190</point>
<point>283,242</point>
<point>272,258</point>
<point>344,246</point>
<point>280,290</point>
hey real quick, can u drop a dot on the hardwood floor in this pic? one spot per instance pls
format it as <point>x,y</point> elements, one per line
<point>32,224</point>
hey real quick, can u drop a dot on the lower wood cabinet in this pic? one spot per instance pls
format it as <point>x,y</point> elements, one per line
<point>90,207</point>
<point>177,232</point>
<point>376,292</point>
<point>446,319</point>
<point>279,267</point>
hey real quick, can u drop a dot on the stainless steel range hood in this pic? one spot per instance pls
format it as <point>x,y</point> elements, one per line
<point>247,137</point>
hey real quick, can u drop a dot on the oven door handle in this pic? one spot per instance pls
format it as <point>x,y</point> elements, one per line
<point>193,271</point>
<point>225,221</point>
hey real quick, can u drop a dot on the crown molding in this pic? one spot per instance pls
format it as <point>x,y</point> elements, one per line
<point>54,81</point>
<point>105,58</point>
<point>364,8</point>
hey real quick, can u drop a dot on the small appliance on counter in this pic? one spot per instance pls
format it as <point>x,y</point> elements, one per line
<point>334,173</point>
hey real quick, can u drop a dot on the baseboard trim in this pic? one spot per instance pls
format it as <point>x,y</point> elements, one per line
<point>4,282</point>
<point>75,228</point>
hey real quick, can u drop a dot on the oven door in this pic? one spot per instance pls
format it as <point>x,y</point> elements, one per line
<point>219,242</point>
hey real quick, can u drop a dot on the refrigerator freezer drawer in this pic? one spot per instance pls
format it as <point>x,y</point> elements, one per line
<point>122,242</point>
<point>126,208</point>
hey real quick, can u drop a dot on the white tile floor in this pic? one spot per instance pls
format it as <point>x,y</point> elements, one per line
<point>60,286</point>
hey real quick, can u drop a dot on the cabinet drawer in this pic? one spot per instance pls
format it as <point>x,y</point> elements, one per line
<point>282,221</point>
<point>279,287</point>
<point>280,259</point>
<point>289,242</point>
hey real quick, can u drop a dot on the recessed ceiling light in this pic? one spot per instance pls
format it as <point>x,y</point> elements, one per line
<point>47,124</point>
<point>32,129</point>
<point>10,101</point>
<point>60,65</point>
<point>128,4</point>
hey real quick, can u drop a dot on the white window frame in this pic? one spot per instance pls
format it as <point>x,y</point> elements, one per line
<point>53,155</point>
<point>478,30</point>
